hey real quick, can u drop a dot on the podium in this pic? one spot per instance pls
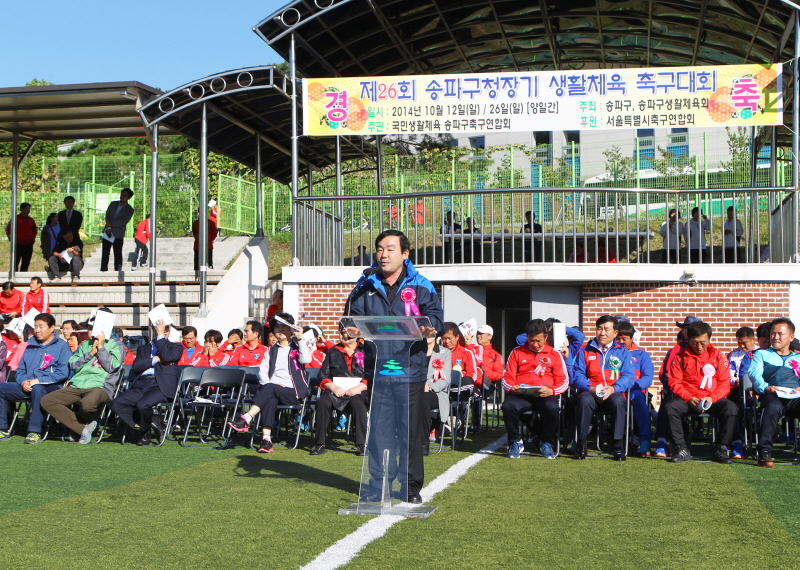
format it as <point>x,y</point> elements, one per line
<point>384,472</point>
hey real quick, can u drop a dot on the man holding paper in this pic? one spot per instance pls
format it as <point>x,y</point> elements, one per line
<point>535,376</point>
<point>700,379</point>
<point>97,364</point>
<point>118,214</point>
<point>67,256</point>
<point>343,386</point>
<point>775,373</point>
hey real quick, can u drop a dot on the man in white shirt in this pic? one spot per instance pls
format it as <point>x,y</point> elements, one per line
<point>672,231</point>
<point>697,229</point>
<point>732,233</point>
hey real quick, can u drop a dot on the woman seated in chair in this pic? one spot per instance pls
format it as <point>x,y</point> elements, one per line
<point>281,376</point>
<point>463,360</point>
<point>437,385</point>
<point>344,360</point>
<point>212,354</point>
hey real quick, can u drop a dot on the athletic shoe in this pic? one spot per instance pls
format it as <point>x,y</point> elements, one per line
<point>86,434</point>
<point>547,451</point>
<point>5,435</point>
<point>265,447</point>
<point>765,459</point>
<point>33,438</point>
<point>240,424</point>
<point>721,455</point>
<point>661,449</point>
<point>737,450</point>
<point>133,268</point>
<point>619,451</point>
<point>318,449</point>
<point>342,425</point>
<point>515,449</point>
<point>644,448</point>
<point>681,454</point>
<point>433,436</point>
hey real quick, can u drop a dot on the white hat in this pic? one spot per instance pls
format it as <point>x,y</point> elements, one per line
<point>486,329</point>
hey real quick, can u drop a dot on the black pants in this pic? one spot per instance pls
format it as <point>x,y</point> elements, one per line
<point>141,397</point>
<point>724,410</point>
<point>773,409</point>
<point>357,407</point>
<point>734,255</point>
<point>269,397</point>
<point>210,261</point>
<point>670,255</point>
<point>514,406</point>
<point>140,254</point>
<point>23,256</point>
<point>117,245</point>
<point>397,408</point>
<point>587,404</point>
<point>696,254</point>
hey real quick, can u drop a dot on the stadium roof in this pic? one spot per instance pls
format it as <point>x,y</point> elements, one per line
<point>70,112</point>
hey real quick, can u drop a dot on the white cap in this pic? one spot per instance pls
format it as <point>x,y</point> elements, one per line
<point>486,329</point>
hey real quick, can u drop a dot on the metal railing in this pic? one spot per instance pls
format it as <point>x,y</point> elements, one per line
<point>570,225</point>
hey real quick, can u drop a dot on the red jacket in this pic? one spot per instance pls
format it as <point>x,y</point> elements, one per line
<point>40,300</point>
<point>687,378</point>
<point>490,363</point>
<point>221,358</point>
<point>469,364</point>
<point>26,230</point>
<point>348,361</point>
<point>244,356</point>
<point>129,356</point>
<point>11,347</point>
<point>544,368</point>
<point>143,231</point>
<point>12,304</point>
<point>184,361</point>
<point>212,234</point>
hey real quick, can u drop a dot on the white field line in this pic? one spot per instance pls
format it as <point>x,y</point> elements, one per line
<point>344,550</point>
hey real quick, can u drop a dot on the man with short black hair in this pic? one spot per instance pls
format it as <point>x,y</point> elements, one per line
<point>535,376</point>
<point>36,298</point>
<point>739,360</point>
<point>69,219</point>
<point>11,301</point>
<point>251,352</point>
<point>189,342</point>
<point>67,257</point>
<point>118,214</point>
<point>602,374</point>
<point>700,379</point>
<point>43,368</point>
<point>643,372</point>
<point>774,372</point>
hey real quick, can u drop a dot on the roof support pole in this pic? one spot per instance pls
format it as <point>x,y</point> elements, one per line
<point>339,248</point>
<point>795,125</point>
<point>14,179</point>
<point>259,192</point>
<point>295,170</point>
<point>202,217</point>
<point>151,283</point>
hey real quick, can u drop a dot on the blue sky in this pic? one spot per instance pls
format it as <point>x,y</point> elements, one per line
<point>160,43</point>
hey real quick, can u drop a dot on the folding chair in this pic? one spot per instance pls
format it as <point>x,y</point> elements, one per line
<point>455,383</point>
<point>228,385</point>
<point>601,426</point>
<point>301,408</point>
<point>527,425</point>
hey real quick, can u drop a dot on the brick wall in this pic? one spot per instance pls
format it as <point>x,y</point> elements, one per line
<point>653,308</point>
<point>323,305</point>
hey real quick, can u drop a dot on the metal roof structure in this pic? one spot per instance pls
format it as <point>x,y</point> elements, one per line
<point>242,104</point>
<point>69,112</point>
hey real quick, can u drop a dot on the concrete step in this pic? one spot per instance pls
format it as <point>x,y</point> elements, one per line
<point>126,276</point>
<point>131,315</point>
<point>126,294</point>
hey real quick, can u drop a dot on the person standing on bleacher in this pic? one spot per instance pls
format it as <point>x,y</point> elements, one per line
<point>118,214</point>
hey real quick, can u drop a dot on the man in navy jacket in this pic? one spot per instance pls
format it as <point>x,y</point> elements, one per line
<point>393,287</point>
<point>602,374</point>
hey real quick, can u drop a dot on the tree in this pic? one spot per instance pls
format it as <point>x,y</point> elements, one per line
<point>739,146</point>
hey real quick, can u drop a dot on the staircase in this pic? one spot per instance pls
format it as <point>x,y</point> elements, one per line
<point>126,292</point>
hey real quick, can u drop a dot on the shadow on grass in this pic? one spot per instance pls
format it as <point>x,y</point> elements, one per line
<point>252,466</point>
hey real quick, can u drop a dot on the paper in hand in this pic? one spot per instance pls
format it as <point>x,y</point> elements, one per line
<point>29,317</point>
<point>287,323</point>
<point>66,256</point>
<point>345,382</point>
<point>160,313</point>
<point>103,324</point>
<point>108,238</point>
<point>468,328</point>
<point>559,335</point>
<point>17,325</point>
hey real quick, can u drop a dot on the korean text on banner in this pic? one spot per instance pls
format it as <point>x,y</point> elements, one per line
<point>709,96</point>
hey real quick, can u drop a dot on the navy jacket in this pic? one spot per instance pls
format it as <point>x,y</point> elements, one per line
<point>167,371</point>
<point>369,299</point>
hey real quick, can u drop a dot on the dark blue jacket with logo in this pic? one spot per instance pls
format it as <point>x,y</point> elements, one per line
<point>369,299</point>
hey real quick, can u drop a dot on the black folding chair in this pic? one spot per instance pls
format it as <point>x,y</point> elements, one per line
<point>208,404</point>
<point>455,405</point>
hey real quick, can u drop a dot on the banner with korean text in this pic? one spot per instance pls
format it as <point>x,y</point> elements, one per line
<point>713,96</point>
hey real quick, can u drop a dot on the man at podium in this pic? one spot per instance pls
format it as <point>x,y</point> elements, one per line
<point>393,287</point>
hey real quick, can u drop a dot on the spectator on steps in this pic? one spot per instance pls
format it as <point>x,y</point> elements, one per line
<point>141,238</point>
<point>69,219</point>
<point>50,234</point>
<point>212,234</point>
<point>11,301</point>
<point>37,298</point>
<point>67,257</point>
<point>26,237</point>
<point>118,214</point>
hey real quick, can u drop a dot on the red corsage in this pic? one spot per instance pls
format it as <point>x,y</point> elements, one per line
<point>360,359</point>
<point>438,366</point>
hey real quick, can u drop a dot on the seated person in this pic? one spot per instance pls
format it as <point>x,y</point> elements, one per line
<point>11,301</point>
<point>604,253</point>
<point>437,384</point>
<point>235,337</point>
<point>318,348</point>
<point>461,359</point>
<point>156,382</point>
<point>601,375</point>
<point>774,370</point>
<point>538,245</point>
<point>251,352</point>
<point>97,365</point>
<point>282,378</point>
<point>534,364</point>
<point>212,354</point>
<point>699,376</point>
<point>643,372</point>
<point>57,266</point>
<point>189,342</point>
<point>344,360</point>
<point>739,360</point>
<point>43,368</point>
<point>579,255</point>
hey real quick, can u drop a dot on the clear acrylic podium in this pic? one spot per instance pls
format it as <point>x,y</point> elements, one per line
<point>384,472</point>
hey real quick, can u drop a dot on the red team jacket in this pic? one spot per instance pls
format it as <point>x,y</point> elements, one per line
<point>143,231</point>
<point>221,358</point>
<point>469,364</point>
<point>244,356</point>
<point>544,368</point>
<point>490,362</point>
<point>686,374</point>
<point>39,301</point>
<point>12,304</point>
<point>185,360</point>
